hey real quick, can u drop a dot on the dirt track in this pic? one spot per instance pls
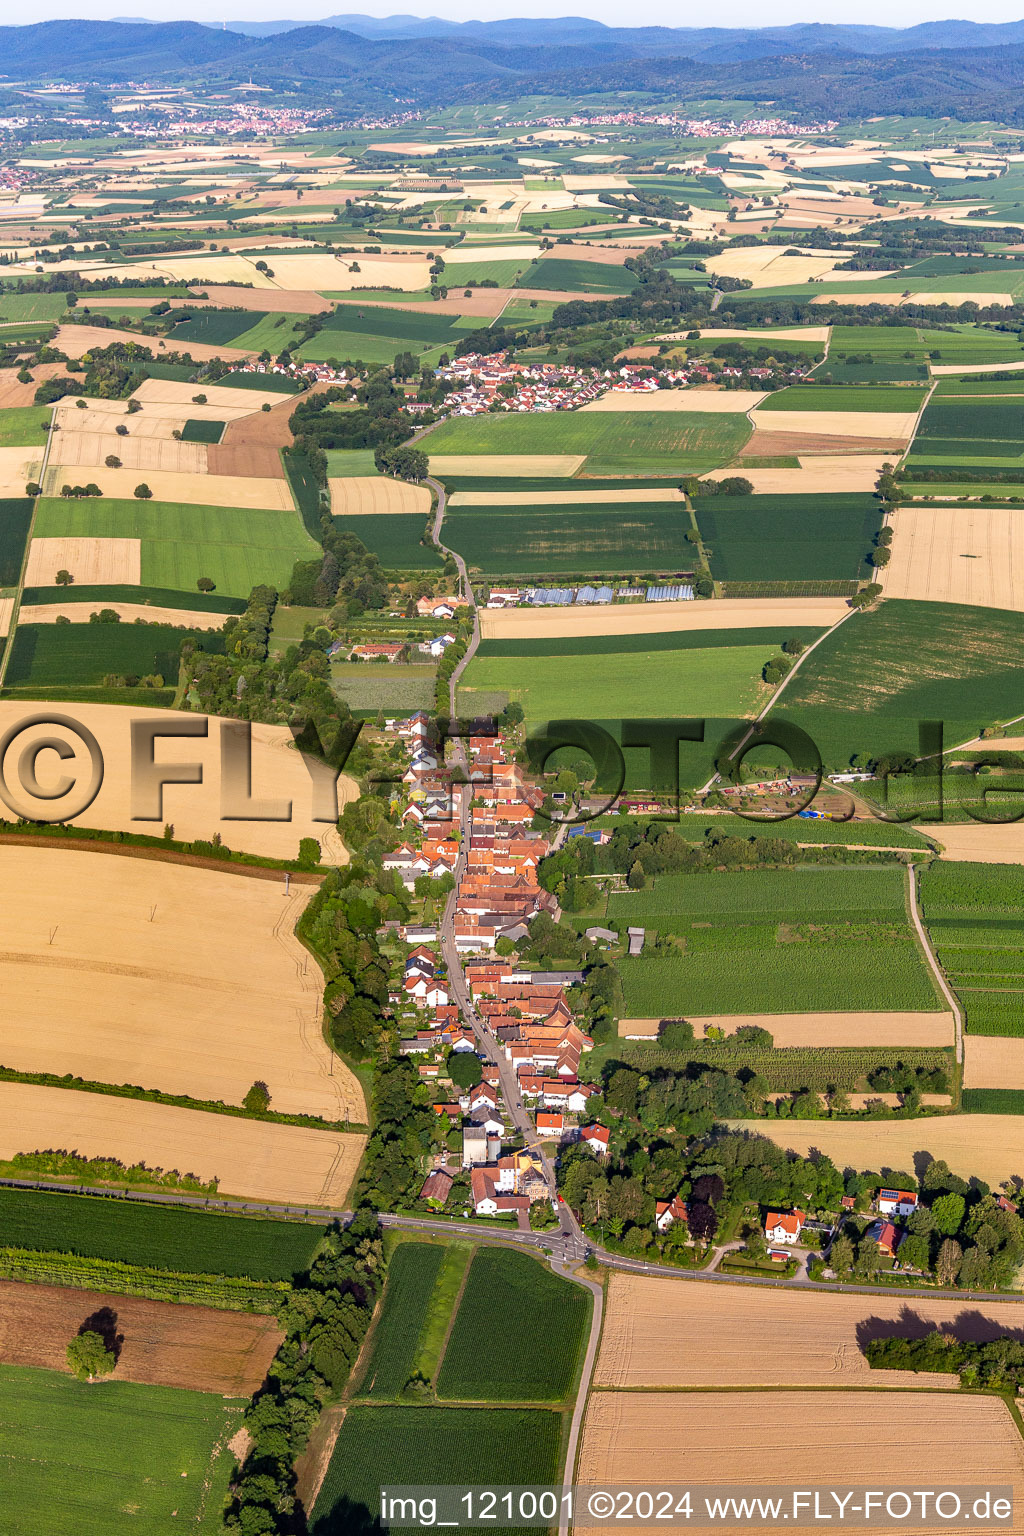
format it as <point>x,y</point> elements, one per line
<point>164,1344</point>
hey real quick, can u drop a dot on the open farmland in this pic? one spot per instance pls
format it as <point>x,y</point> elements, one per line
<point>820,936</point>
<point>623,443</point>
<point>623,619</point>
<point>197,489</point>
<point>812,1030</point>
<point>377,496</point>
<point>279,772</point>
<point>64,1449</point>
<point>968,554</point>
<point>768,1338</point>
<point>389,1446</point>
<point>540,541</point>
<point>158,1236</point>
<point>720,680</point>
<point>412,1275</point>
<point>257,1160</point>
<point>110,929</point>
<point>799,1438</point>
<point>45,657</point>
<point>973,913</point>
<point>981,1146</point>
<point>164,1345</point>
<point>869,682</point>
<point>477,1366</point>
<point>394,537</point>
<point>812,537</point>
<point>238,548</point>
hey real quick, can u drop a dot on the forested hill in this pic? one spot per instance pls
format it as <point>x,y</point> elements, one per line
<point>478,63</point>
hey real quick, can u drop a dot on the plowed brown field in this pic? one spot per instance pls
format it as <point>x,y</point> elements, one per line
<point>163,1344</point>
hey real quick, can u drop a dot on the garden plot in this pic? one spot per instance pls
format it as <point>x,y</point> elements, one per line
<point>972,555</point>
<point>191,489</point>
<point>366,495</point>
<point>803,1439</point>
<point>752,1337</point>
<point>984,1146</point>
<point>253,1159</point>
<point>91,562</point>
<point>89,450</point>
<point>107,929</point>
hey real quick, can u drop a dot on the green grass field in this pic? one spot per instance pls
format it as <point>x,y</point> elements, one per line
<point>345,462</point>
<point>973,912</point>
<point>94,1459</point>
<point>597,540</point>
<point>202,431</point>
<point>774,941</point>
<point>24,425</point>
<point>836,397</point>
<point>799,538</point>
<point>615,442</point>
<point>238,547</point>
<point>390,1446</point>
<point>157,1236</point>
<point>271,333</point>
<point>32,306</point>
<point>80,655</point>
<point>394,538</point>
<point>213,327</point>
<point>15,520</point>
<point>869,683</point>
<point>484,1365</point>
<point>578,276</point>
<point>717,680</point>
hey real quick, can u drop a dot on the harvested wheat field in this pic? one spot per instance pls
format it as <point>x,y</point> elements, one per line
<point>725,333</point>
<point>819,1029</point>
<point>103,417</point>
<point>164,1344</point>
<point>810,1439</point>
<point>17,467</point>
<point>728,401</point>
<point>659,618</point>
<point>252,1159</point>
<point>813,444</point>
<point>92,562</point>
<point>754,1337</point>
<point>292,301</point>
<point>938,369</point>
<point>988,1147</point>
<point>6,614</point>
<point>506,465</point>
<point>882,424</point>
<point>374,495</point>
<point>767,267</point>
<point>280,775</point>
<point>90,450</point>
<point>78,613</point>
<point>993,1061</point>
<point>12,393</point>
<point>334,274</point>
<point>77,340</point>
<point>835,472</point>
<point>562,498</point>
<point>183,979</point>
<point>976,843</point>
<point>219,397</point>
<point>967,554</point>
<point>199,490</point>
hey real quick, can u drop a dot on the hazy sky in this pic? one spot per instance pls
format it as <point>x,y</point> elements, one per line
<point>727,13</point>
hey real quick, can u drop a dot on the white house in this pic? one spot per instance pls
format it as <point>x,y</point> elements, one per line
<point>896,1202</point>
<point>668,1212</point>
<point>596,1138</point>
<point>784,1226</point>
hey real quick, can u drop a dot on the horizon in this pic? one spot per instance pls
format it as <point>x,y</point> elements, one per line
<point>734,14</point>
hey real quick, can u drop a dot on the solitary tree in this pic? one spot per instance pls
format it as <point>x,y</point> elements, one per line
<point>63,578</point>
<point>257,1100</point>
<point>89,1356</point>
<point>112,461</point>
<point>206,584</point>
<point>143,492</point>
<point>33,488</point>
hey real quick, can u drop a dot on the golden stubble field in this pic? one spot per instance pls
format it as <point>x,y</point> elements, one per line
<point>78,613</point>
<point>99,562</point>
<point>659,618</point>
<point>802,1439</point>
<point>969,555</point>
<point>993,1061</point>
<point>819,1029</point>
<point>990,1147</point>
<point>184,979</point>
<point>376,495</point>
<point>253,1159</point>
<point>194,489</point>
<point>756,1336</point>
<point>280,775</point>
